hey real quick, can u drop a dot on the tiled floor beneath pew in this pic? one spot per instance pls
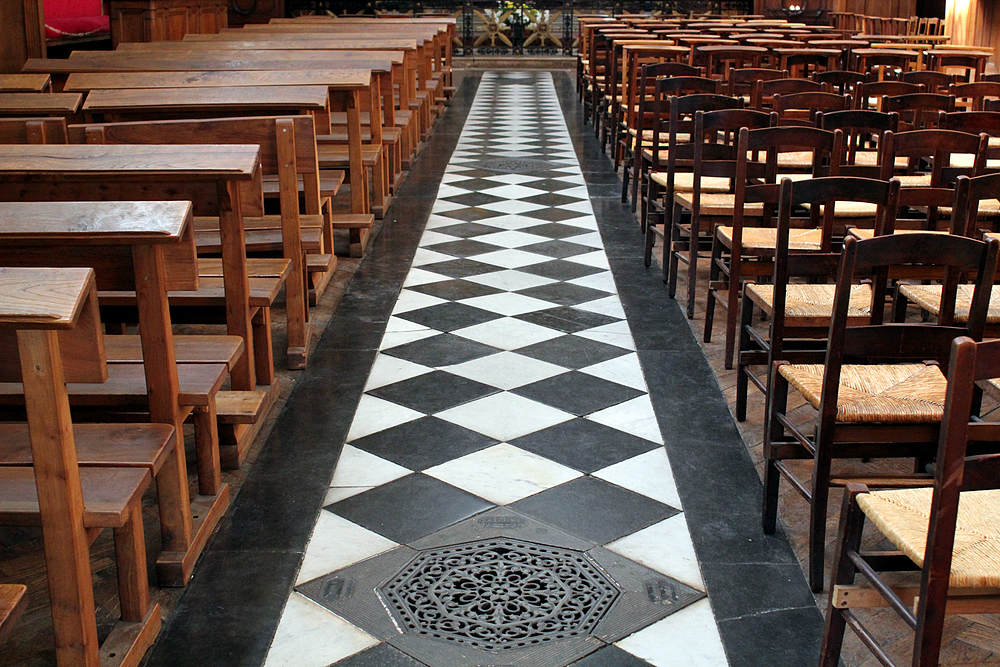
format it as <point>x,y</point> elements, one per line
<point>504,496</point>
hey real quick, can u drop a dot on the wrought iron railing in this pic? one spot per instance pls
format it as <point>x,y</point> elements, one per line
<point>518,27</point>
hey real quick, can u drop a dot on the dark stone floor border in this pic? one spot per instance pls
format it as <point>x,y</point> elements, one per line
<point>764,609</point>
<point>229,613</point>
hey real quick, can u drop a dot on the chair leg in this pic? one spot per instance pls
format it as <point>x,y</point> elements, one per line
<point>714,272</point>
<point>671,236</point>
<point>742,381</point>
<point>636,171</point>
<point>625,171</point>
<point>647,253</point>
<point>777,401</point>
<point>130,562</point>
<point>732,302</point>
<point>852,522</point>
<point>819,503</point>
<point>692,272</point>
<point>652,192</point>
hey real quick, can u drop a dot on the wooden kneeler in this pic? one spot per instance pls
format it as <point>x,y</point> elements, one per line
<point>48,310</point>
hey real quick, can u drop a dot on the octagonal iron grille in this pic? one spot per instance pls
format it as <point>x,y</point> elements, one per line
<point>500,594</point>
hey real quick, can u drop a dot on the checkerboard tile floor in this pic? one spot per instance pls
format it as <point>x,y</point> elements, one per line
<point>507,376</point>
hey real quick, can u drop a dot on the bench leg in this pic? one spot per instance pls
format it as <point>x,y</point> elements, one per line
<point>130,561</point>
<point>206,445</point>
<point>263,354</point>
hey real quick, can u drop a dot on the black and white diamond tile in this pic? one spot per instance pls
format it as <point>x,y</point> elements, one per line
<point>507,376</point>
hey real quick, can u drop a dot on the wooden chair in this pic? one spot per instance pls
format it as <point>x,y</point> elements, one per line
<point>918,111</point>
<point>863,131</point>
<point>933,156</point>
<point>802,108</point>
<point>933,82</point>
<point>926,528</point>
<point>740,81</point>
<point>868,96</point>
<point>742,251</point>
<point>664,88</point>
<point>710,160</point>
<point>877,395</point>
<point>799,313</point>
<point>840,81</point>
<point>640,132</point>
<point>763,92</point>
<point>972,96</point>
<point>52,335</point>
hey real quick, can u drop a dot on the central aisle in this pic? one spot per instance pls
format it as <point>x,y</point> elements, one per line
<point>507,376</point>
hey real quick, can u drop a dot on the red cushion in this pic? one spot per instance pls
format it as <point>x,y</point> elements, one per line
<point>61,9</point>
<point>78,26</point>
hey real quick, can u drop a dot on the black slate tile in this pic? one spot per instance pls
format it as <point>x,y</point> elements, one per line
<point>554,214</point>
<point>409,508</point>
<point>554,230</point>
<point>558,249</point>
<point>468,229</point>
<point>567,319</point>
<point>564,294</point>
<point>433,392</point>
<point>423,443</point>
<point>382,655</point>
<point>449,316</point>
<point>611,656</point>
<point>584,445</point>
<point>578,393</point>
<point>572,351</point>
<point>782,638</point>
<point>461,268</point>
<point>470,214</point>
<point>473,199</point>
<point>454,289</point>
<point>561,270</point>
<point>442,350</point>
<point>594,509</point>
<point>464,247</point>
<point>552,199</point>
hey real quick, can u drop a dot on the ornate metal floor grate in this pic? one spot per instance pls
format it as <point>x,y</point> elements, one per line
<point>499,588</point>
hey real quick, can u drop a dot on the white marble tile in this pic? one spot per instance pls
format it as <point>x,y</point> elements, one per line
<point>610,306</point>
<point>338,493</point>
<point>388,369</point>
<point>596,259</point>
<point>505,416</point>
<point>511,239</point>
<point>615,333</point>
<point>623,370</point>
<point>512,222</point>
<point>584,222</point>
<point>665,547</point>
<point>503,473</point>
<point>592,239</point>
<point>686,638</point>
<point>579,192</point>
<point>410,300</point>
<point>513,191</point>
<point>442,206</point>
<point>376,415</point>
<point>514,179</point>
<point>447,190</point>
<point>391,339</point>
<point>418,276</point>
<point>602,281</point>
<point>513,206</point>
<point>310,636</point>
<point>356,467</point>
<point>424,256</point>
<point>649,474</point>
<point>435,221</point>
<point>634,416</point>
<point>430,237</point>
<point>336,543</point>
<point>506,370</point>
<point>511,280</point>
<point>507,303</point>
<point>507,333</point>
<point>512,258</point>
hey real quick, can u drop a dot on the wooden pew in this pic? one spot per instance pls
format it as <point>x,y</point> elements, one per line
<point>40,104</point>
<point>130,245</point>
<point>288,151</point>
<point>49,312</point>
<point>24,83</point>
<point>211,176</point>
<point>33,131</point>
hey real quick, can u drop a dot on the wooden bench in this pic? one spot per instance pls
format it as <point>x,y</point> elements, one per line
<point>40,104</point>
<point>130,245</point>
<point>33,130</point>
<point>25,83</point>
<point>13,602</point>
<point>211,177</point>
<point>50,312</point>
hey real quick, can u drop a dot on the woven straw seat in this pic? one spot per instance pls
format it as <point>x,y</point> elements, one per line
<point>902,515</point>
<point>765,238</point>
<point>915,181</point>
<point>717,204</point>
<point>794,178</point>
<point>812,305</point>
<point>928,297</point>
<point>987,207</point>
<point>890,393</point>
<point>850,209</point>
<point>870,233</point>
<point>647,135</point>
<point>796,160</point>
<point>870,158</point>
<point>684,181</point>
<point>647,154</point>
<point>967,161</point>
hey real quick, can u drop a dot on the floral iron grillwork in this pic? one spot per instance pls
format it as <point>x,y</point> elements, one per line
<point>500,594</point>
